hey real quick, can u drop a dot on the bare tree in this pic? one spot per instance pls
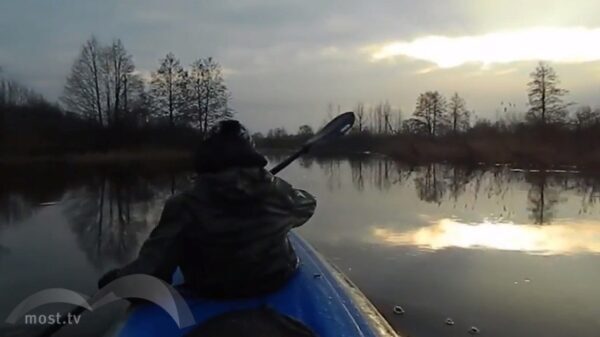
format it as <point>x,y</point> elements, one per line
<point>545,97</point>
<point>359,112</point>
<point>209,95</point>
<point>118,68</point>
<point>459,115</point>
<point>305,131</point>
<point>96,87</point>
<point>586,117</point>
<point>386,111</point>
<point>82,92</point>
<point>431,110</point>
<point>12,93</point>
<point>398,121</point>
<point>134,100</point>
<point>168,88</point>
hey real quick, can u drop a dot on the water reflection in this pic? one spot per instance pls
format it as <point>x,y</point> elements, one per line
<point>439,183</point>
<point>375,216</point>
<point>112,216</point>
<point>109,211</point>
<point>543,197</point>
<point>555,239</point>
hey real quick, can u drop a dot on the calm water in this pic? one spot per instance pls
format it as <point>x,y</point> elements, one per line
<point>513,253</point>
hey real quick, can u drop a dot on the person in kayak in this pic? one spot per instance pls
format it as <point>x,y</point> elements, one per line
<point>227,233</point>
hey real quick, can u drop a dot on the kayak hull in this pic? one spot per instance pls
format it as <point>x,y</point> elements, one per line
<point>318,295</point>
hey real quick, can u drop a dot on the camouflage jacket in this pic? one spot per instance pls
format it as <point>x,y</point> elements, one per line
<point>228,234</point>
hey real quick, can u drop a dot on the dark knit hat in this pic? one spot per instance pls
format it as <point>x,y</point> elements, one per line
<point>227,145</point>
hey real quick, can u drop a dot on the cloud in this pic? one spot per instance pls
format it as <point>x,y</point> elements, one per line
<point>286,60</point>
<point>561,45</point>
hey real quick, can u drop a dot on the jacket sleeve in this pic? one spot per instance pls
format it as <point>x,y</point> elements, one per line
<point>161,252</point>
<point>298,203</point>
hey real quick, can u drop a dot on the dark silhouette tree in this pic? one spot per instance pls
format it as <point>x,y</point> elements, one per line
<point>431,109</point>
<point>459,115</point>
<point>359,112</point>
<point>101,82</point>
<point>209,95</point>
<point>546,103</point>
<point>277,133</point>
<point>305,131</point>
<point>168,88</point>
<point>118,70</point>
<point>586,117</point>
<point>82,92</point>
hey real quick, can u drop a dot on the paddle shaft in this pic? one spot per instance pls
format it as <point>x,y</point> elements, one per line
<point>335,128</point>
<point>289,160</point>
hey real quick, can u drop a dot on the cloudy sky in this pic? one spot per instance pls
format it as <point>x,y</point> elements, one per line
<point>286,60</point>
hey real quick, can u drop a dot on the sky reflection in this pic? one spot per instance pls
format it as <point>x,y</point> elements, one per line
<point>563,237</point>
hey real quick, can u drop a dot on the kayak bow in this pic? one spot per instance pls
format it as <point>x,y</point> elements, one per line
<point>318,295</point>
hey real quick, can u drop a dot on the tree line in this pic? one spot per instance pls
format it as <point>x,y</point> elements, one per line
<point>105,87</point>
<point>435,115</point>
<point>108,104</point>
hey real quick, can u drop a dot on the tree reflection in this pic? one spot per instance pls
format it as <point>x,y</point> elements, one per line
<point>589,189</point>
<point>542,197</point>
<point>306,162</point>
<point>381,173</point>
<point>24,190</point>
<point>332,170</point>
<point>357,168</point>
<point>458,179</point>
<point>112,216</point>
<point>430,183</point>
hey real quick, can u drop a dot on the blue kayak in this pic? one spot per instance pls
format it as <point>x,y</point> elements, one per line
<point>318,295</point>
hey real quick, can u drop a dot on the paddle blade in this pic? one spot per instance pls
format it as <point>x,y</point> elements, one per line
<point>337,127</point>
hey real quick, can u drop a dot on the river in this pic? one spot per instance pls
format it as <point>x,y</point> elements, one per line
<point>511,252</point>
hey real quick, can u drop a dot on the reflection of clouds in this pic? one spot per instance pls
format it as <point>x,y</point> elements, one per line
<point>559,238</point>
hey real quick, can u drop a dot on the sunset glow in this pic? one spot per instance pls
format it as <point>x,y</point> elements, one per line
<point>577,237</point>
<point>566,45</point>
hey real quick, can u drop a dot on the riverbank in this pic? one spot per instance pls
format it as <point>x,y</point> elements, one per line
<point>117,157</point>
<point>543,150</point>
<point>524,151</point>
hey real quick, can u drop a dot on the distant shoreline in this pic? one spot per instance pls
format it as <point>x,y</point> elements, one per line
<point>407,150</point>
<point>124,157</point>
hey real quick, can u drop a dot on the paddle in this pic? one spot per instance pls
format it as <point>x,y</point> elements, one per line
<point>337,127</point>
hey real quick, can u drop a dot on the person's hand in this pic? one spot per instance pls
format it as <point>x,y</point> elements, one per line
<point>108,277</point>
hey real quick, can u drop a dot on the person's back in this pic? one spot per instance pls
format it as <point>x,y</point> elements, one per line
<point>238,239</point>
<point>229,232</point>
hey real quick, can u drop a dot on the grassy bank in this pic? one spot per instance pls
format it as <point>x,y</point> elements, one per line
<point>528,147</point>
